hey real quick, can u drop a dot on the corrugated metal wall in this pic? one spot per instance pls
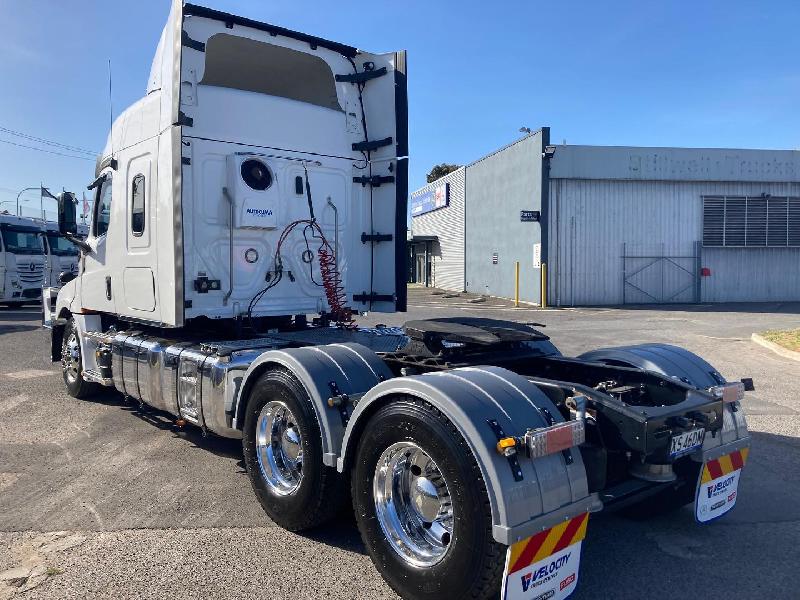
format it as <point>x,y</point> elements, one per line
<point>751,275</point>
<point>447,262</point>
<point>591,220</point>
<point>498,188</point>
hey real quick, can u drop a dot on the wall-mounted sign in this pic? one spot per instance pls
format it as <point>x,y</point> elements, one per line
<point>537,256</point>
<point>494,258</point>
<point>529,215</point>
<point>433,199</point>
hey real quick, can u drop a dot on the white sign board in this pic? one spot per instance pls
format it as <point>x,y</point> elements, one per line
<point>537,256</point>
<point>717,489</point>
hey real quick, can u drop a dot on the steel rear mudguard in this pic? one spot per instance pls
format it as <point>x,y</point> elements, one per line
<point>526,496</point>
<point>664,359</point>
<point>685,366</point>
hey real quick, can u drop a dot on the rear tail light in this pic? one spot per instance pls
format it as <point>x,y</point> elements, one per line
<point>555,438</point>
<point>541,442</point>
<point>729,392</point>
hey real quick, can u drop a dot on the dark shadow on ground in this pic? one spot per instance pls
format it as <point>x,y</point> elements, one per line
<point>16,328</point>
<point>220,446</point>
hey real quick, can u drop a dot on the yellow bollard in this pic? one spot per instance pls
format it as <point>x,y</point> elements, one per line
<point>543,300</point>
<point>516,284</point>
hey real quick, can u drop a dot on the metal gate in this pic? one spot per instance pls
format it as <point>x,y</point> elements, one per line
<point>660,278</point>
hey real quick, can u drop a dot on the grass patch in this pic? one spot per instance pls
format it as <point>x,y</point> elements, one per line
<point>53,571</point>
<point>788,338</point>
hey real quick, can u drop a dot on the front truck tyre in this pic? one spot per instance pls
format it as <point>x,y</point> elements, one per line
<point>72,364</point>
<point>422,508</point>
<point>282,449</point>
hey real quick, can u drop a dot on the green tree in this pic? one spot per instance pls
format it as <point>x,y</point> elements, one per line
<point>439,171</point>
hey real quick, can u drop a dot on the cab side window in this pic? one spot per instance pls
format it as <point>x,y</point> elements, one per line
<point>138,205</point>
<point>103,208</point>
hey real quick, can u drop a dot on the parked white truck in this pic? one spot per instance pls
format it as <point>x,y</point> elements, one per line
<point>61,254</point>
<point>22,260</point>
<point>262,179</point>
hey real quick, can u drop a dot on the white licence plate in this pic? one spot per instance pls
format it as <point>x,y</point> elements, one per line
<point>686,442</point>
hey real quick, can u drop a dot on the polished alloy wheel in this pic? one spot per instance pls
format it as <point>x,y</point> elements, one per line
<point>413,504</point>
<point>71,359</point>
<point>279,448</point>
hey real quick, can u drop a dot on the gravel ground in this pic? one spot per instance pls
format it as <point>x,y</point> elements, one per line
<point>100,500</point>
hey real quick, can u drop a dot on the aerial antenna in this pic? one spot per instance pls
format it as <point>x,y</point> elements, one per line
<point>110,109</point>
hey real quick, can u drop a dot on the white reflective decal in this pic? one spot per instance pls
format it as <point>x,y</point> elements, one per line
<point>717,488</point>
<point>545,566</point>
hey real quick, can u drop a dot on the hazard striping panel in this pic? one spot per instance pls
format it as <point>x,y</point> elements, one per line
<point>718,485</point>
<point>546,565</point>
<point>723,465</point>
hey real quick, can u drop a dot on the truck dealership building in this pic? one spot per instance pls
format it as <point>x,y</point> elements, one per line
<point>613,225</point>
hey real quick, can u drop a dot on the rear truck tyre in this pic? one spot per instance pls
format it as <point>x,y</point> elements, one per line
<point>282,448</point>
<point>72,365</point>
<point>422,508</point>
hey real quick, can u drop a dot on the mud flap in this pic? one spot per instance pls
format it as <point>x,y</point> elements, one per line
<point>717,485</point>
<point>545,566</point>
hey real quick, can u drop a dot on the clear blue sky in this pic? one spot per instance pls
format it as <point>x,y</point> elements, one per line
<point>676,73</point>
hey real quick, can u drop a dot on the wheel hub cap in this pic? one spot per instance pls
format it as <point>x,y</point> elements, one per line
<point>425,498</point>
<point>413,504</point>
<point>71,360</point>
<point>279,448</point>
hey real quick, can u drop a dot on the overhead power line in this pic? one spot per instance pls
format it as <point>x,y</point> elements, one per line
<point>44,150</point>
<point>33,138</point>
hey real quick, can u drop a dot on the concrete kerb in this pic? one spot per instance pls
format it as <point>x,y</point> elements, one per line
<point>785,352</point>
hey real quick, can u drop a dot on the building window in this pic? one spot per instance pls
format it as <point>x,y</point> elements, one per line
<point>745,221</point>
<point>137,205</point>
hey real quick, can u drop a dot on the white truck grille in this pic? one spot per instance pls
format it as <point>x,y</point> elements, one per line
<point>31,274</point>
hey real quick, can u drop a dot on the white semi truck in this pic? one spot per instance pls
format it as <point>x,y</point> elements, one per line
<point>262,179</point>
<point>22,260</point>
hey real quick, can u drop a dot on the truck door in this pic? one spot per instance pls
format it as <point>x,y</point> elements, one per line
<point>136,289</point>
<point>49,261</point>
<point>97,278</point>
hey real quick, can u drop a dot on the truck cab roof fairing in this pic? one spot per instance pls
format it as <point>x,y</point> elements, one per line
<point>231,20</point>
<point>178,12</point>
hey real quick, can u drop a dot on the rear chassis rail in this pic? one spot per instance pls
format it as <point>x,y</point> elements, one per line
<point>643,428</point>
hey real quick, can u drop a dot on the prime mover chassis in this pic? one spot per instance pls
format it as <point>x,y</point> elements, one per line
<point>551,438</point>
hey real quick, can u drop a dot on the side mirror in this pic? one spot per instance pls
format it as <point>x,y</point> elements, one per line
<point>65,277</point>
<point>68,220</point>
<point>67,214</point>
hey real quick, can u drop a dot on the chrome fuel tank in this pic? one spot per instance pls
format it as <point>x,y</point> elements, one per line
<point>200,381</point>
<point>189,380</point>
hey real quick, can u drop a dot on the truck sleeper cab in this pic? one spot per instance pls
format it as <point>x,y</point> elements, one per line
<point>262,179</point>
<point>22,260</point>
